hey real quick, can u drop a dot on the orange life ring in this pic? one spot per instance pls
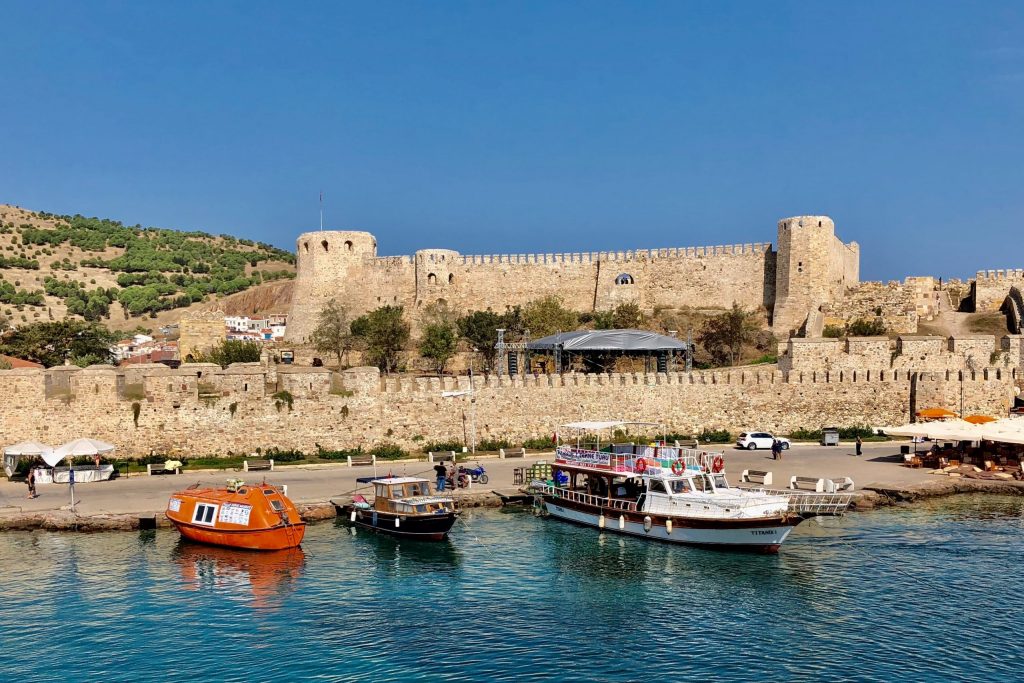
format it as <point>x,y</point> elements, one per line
<point>678,466</point>
<point>640,466</point>
<point>718,464</point>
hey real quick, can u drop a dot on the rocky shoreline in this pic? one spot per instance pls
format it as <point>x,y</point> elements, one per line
<point>65,520</point>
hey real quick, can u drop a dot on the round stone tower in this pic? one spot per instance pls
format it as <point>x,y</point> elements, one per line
<point>327,264</point>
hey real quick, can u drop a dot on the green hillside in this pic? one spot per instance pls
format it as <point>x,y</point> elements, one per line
<point>53,266</point>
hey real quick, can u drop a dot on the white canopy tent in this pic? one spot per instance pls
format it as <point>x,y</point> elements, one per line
<point>76,448</point>
<point>23,449</point>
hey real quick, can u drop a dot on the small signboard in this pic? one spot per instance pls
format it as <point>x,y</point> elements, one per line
<point>287,357</point>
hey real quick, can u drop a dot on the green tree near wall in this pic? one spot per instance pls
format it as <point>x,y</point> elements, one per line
<point>231,351</point>
<point>438,345</point>
<point>333,332</point>
<point>548,316</point>
<point>479,329</point>
<point>724,335</point>
<point>51,343</point>
<point>383,334</point>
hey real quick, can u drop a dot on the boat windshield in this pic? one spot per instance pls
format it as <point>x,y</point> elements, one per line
<point>681,486</point>
<point>701,482</point>
<point>419,488</point>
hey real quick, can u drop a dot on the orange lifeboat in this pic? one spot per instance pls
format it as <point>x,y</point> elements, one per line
<point>254,517</point>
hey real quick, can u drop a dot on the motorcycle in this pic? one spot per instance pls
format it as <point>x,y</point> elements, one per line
<point>478,475</point>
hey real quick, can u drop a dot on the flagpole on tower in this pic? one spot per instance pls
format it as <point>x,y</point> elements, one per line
<point>321,210</point>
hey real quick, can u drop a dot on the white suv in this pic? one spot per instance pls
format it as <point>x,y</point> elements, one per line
<point>754,440</point>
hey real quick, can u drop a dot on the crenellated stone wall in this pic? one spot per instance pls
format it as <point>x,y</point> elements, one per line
<point>204,410</point>
<point>815,267</point>
<point>907,352</point>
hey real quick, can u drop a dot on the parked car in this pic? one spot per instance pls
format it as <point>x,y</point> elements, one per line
<point>754,440</point>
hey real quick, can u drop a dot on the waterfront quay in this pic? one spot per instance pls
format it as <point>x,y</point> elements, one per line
<point>120,503</point>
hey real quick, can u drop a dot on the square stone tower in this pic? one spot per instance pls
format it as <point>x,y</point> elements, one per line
<point>813,267</point>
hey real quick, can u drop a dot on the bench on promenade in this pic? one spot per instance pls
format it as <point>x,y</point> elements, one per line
<point>253,465</point>
<point>756,477</point>
<point>441,456</point>
<point>838,484</point>
<point>511,453</point>
<point>365,459</point>
<point>807,484</point>
<point>160,468</point>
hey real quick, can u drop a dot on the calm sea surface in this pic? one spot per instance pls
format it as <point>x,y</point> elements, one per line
<point>930,593</point>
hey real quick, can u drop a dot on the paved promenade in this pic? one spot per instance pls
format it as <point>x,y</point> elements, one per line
<point>141,494</point>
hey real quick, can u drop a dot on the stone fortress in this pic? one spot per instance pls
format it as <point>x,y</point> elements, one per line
<point>812,278</point>
<point>810,268</point>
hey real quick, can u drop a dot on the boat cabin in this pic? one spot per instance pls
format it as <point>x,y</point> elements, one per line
<point>407,495</point>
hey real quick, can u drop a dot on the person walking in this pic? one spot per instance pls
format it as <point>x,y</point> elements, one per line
<point>858,444</point>
<point>31,481</point>
<point>442,475</point>
<point>776,449</point>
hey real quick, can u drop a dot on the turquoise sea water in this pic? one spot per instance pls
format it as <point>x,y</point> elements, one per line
<point>929,593</point>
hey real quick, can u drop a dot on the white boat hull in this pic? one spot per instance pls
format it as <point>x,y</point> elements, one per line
<point>764,539</point>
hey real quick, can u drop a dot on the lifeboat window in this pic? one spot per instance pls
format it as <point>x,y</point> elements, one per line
<point>277,505</point>
<point>269,492</point>
<point>243,491</point>
<point>204,514</point>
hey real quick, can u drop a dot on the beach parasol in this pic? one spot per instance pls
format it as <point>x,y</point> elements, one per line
<point>979,419</point>
<point>935,414</point>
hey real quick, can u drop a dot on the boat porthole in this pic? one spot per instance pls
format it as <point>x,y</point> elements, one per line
<point>648,524</point>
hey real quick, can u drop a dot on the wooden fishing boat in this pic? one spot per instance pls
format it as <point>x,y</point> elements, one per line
<point>253,517</point>
<point>403,507</point>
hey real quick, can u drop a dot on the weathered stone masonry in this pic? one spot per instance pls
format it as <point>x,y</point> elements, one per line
<point>202,409</point>
<point>811,267</point>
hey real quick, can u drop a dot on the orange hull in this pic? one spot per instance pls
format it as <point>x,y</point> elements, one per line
<point>257,517</point>
<point>280,538</point>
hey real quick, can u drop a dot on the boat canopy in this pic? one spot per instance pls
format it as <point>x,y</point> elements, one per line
<point>607,340</point>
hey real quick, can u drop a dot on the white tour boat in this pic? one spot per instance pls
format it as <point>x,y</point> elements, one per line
<point>671,494</point>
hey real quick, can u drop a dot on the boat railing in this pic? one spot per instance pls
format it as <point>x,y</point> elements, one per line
<point>809,503</point>
<point>653,458</point>
<point>586,498</point>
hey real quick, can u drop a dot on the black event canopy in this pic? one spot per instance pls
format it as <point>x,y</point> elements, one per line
<point>607,340</point>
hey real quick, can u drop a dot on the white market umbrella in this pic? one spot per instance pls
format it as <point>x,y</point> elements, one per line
<point>1003,431</point>
<point>915,429</point>
<point>953,430</point>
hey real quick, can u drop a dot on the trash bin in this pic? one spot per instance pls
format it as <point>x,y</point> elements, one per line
<point>829,436</point>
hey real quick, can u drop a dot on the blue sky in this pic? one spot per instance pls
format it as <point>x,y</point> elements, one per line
<point>529,127</point>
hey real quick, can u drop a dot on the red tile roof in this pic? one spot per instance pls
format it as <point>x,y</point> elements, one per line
<point>19,363</point>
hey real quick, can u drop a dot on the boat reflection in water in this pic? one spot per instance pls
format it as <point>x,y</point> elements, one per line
<point>390,555</point>
<point>264,577</point>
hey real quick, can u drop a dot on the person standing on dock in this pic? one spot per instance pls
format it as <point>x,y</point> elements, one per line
<point>442,475</point>
<point>858,444</point>
<point>31,481</point>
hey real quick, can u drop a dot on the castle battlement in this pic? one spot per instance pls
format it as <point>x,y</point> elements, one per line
<point>810,268</point>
